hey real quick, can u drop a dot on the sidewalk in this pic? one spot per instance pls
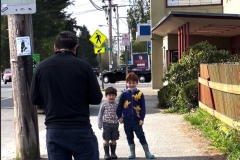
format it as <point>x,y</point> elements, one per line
<point>168,135</point>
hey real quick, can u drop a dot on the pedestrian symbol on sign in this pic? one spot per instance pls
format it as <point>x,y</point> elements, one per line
<point>98,38</point>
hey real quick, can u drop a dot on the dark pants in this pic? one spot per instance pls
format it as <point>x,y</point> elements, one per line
<point>62,144</point>
<point>133,126</point>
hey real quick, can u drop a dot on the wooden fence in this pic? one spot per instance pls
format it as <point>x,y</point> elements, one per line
<point>219,91</point>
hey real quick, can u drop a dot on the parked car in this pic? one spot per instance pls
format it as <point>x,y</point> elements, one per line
<point>95,70</point>
<point>119,74</point>
<point>100,75</point>
<point>7,75</point>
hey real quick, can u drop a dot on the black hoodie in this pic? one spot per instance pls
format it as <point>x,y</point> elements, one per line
<point>65,86</point>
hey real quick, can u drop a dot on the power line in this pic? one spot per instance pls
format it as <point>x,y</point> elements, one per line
<point>96,6</point>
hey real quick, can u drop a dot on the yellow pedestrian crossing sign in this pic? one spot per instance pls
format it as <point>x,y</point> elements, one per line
<point>99,50</point>
<point>98,38</point>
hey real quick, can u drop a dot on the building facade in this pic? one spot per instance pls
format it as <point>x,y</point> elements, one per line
<point>177,24</point>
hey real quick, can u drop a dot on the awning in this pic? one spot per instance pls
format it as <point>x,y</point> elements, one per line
<point>204,24</point>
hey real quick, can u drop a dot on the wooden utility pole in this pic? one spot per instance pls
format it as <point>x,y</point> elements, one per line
<point>25,114</point>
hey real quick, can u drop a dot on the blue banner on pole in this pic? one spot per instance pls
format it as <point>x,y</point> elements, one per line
<point>141,61</point>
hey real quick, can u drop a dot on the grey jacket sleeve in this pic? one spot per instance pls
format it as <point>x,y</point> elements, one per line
<point>100,115</point>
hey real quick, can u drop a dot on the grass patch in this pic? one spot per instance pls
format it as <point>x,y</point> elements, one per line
<point>170,110</point>
<point>223,137</point>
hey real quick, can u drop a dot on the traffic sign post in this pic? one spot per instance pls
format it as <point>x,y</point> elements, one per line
<point>99,50</point>
<point>98,38</point>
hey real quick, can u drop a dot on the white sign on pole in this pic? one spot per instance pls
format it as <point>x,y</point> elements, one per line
<point>23,46</point>
<point>125,40</point>
<point>18,7</point>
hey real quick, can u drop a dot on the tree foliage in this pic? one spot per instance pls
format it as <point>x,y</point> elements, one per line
<point>138,13</point>
<point>5,52</point>
<point>139,47</point>
<point>86,48</point>
<point>187,68</point>
<point>48,22</point>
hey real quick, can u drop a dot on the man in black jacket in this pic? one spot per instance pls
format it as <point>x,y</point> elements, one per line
<point>65,86</point>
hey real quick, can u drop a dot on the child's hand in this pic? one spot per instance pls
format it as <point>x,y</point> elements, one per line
<point>121,120</point>
<point>100,128</point>
<point>141,123</point>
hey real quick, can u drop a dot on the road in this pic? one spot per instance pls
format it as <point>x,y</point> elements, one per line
<point>7,115</point>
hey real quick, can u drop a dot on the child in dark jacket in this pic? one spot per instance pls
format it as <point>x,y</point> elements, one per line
<point>131,111</point>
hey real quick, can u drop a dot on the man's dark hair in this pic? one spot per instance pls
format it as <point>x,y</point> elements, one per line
<point>110,90</point>
<point>66,40</point>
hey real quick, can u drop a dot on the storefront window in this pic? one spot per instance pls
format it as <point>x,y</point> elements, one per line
<point>192,2</point>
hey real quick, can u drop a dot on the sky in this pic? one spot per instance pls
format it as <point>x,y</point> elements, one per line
<point>86,14</point>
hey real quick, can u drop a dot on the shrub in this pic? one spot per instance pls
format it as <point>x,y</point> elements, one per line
<point>164,95</point>
<point>190,93</point>
<point>179,75</point>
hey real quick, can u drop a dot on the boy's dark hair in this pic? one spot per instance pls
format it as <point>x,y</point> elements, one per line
<point>110,90</point>
<point>66,40</point>
<point>132,77</point>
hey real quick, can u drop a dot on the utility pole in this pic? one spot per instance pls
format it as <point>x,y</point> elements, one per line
<point>25,114</point>
<point>110,35</point>
<point>117,20</point>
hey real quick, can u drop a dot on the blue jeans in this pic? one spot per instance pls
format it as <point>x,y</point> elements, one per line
<point>133,126</point>
<point>62,144</point>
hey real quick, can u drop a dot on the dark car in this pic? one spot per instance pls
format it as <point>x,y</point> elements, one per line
<point>7,76</point>
<point>95,70</point>
<point>119,74</point>
<point>100,75</point>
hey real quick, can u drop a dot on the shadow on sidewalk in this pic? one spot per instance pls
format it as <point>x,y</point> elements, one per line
<point>218,157</point>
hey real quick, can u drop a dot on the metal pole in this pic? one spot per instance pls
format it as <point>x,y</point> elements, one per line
<point>101,69</point>
<point>126,61</point>
<point>110,34</point>
<point>118,58</point>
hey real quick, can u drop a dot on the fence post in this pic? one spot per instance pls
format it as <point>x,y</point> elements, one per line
<point>199,89</point>
<point>211,95</point>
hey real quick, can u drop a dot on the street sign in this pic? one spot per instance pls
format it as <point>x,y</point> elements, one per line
<point>108,49</point>
<point>99,50</point>
<point>98,38</point>
<point>149,47</point>
<point>23,46</point>
<point>125,40</point>
<point>18,7</point>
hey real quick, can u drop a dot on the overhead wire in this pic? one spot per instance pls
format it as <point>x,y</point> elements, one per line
<point>96,6</point>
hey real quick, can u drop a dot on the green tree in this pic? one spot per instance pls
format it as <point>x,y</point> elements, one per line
<point>139,47</point>
<point>48,22</point>
<point>86,48</point>
<point>138,13</point>
<point>5,52</point>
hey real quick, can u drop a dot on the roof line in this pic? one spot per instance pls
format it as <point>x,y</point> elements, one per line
<point>196,15</point>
